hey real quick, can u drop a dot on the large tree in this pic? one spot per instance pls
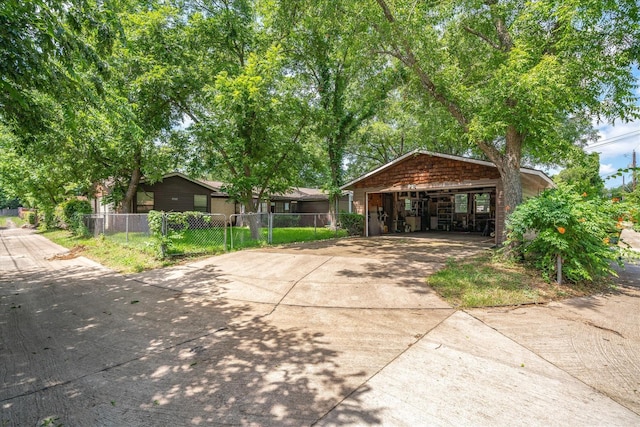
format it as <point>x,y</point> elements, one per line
<point>511,72</point>
<point>348,84</point>
<point>247,114</point>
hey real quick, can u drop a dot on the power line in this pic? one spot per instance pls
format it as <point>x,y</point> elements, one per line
<point>613,139</point>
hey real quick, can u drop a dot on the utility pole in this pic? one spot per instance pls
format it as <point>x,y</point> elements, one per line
<point>634,172</point>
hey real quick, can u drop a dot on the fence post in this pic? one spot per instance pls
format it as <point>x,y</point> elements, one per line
<point>230,221</point>
<point>225,233</point>
<point>126,229</point>
<point>270,230</point>
<point>104,224</point>
<point>315,225</point>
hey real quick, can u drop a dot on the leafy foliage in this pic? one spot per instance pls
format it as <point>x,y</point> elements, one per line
<point>353,223</point>
<point>71,214</point>
<point>583,174</point>
<point>561,222</point>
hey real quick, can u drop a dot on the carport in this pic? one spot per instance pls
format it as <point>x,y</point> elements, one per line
<point>432,192</point>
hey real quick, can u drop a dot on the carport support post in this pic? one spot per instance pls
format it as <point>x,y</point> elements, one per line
<point>559,269</point>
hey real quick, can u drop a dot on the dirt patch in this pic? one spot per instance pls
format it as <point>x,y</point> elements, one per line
<point>396,247</point>
<point>75,252</point>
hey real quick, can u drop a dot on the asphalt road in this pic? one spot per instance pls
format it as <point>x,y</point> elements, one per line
<point>341,335</point>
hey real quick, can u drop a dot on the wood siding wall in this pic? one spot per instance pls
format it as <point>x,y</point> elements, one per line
<point>174,194</point>
<point>425,169</point>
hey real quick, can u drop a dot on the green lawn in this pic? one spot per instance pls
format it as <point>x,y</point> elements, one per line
<point>17,221</point>
<point>489,280</point>
<point>138,254</point>
<point>242,236</point>
<point>135,252</point>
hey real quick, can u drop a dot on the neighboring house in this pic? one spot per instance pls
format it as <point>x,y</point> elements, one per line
<point>424,191</point>
<point>178,192</point>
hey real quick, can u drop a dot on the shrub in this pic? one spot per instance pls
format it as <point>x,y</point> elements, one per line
<point>353,223</point>
<point>71,215</point>
<point>167,226</point>
<point>31,218</point>
<point>563,223</point>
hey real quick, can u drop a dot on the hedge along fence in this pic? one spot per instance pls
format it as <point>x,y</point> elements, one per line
<point>180,233</point>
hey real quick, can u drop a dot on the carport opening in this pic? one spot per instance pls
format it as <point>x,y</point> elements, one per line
<point>468,211</point>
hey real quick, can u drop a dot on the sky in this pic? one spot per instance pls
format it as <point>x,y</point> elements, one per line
<point>616,145</point>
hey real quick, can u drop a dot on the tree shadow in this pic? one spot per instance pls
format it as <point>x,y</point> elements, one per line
<point>90,347</point>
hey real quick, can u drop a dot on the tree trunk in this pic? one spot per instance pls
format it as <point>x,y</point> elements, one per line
<point>127,202</point>
<point>253,218</point>
<point>136,175</point>
<point>509,168</point>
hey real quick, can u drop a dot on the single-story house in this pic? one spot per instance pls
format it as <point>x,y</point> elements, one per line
<point>179,193</point>
<point>426,191</point>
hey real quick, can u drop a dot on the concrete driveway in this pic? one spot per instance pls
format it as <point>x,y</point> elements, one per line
<point>344,334</point>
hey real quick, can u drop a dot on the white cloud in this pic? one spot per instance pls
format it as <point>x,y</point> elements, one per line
<point>626,135</point>
<point>607,169</point>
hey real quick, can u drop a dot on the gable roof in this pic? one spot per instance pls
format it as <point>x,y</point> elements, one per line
<point>302,194</point>
<point>299,193</point>
<point>214,186</point>
<point>523,171</point>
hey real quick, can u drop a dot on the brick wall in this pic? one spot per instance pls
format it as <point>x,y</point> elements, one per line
<point>426,169</point>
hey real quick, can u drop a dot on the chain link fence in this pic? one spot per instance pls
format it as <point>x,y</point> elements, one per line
<point>259,229</point>
<point>190,233</point>
<point>120,227</point>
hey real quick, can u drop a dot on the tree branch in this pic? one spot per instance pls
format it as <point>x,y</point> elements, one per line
<point>482,37</point>
<point>407,56</point>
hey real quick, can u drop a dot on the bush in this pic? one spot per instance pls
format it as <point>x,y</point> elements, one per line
<point>31,217</point>
<point>167,226</point>
<point>563,223</point>
<point>71,215</point>
<point>353,223</point>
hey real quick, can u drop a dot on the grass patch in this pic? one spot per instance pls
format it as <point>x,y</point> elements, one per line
<point>209,240</point>
<point>242,236</point>
<point>136,252</point>
<point>17,221</point>
<point>488,280</point>
<point>125,257</point>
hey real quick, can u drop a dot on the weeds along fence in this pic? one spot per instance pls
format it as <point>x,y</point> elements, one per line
<point>190,233</point>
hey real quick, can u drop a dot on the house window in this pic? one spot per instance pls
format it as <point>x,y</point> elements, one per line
<point>483,203</point>
<point>200,202</point>
<point>286,206</point>
<point>144,201</point>
<point>461,201</point>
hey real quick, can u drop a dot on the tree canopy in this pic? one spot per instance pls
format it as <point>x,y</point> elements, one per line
<point>511,73</point>
<point>269,94</point>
